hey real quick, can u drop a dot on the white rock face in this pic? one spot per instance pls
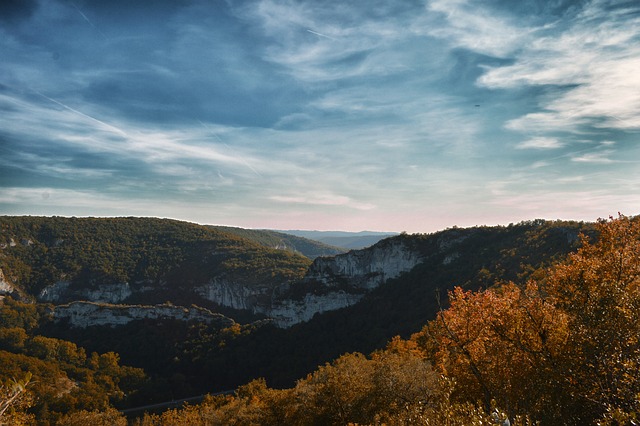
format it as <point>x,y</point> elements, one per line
<point>5,287</point>
<point>341,281</point>
<point>111,293</point>
<point>331,283</point>
<point>287,313</point>
<point>86,314</point>
<point>231,294</point>
<point>54,292</point>
<point>368,268</point>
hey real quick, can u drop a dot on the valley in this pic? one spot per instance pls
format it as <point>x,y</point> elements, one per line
<point>191,310</point>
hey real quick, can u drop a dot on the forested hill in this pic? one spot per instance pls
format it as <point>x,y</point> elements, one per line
<point>347,240</point>
<point>283,241</point>
<point>160,254</point>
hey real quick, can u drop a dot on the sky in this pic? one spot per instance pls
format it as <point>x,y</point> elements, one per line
<point>329,115</point>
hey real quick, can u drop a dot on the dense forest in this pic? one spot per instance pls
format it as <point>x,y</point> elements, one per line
<point>517,324</point>
<point>166,255</point>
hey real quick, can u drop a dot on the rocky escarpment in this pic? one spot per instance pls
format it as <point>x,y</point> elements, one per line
<point>330,283</point>
<point>288,312</point>
<point>148,261</point>
<point>365,269</point>
<point>5,287</point>
<point>86,314</point>
<point>106,293</point>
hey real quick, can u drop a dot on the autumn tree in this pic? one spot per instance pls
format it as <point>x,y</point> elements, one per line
<point>108,417</point>
<point>599,290</point>
<point>564,347</point>
<point>15,399</point>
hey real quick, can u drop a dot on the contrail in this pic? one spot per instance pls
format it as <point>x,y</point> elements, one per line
<point>102,123</point>
<point>230,149</point>
<point>88,21</point>
<point>321,35</point>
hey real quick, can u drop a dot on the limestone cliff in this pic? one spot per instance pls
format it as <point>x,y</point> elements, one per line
<point>235,294</point>
<point>5,286</point>
<point>365,269</point>
<point>330,283</point>
<point>106,293</point>
<point>86,314</point>
<point>288,312</point>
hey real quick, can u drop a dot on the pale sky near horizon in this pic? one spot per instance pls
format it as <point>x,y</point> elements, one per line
<point>329,115</point>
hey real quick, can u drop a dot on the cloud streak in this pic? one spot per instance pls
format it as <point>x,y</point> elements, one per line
<point>591,61</point>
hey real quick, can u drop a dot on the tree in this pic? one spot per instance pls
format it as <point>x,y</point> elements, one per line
<point>14,400</point>
<point>599,290</point>
<point>564,347</point>
<point>108,417</point>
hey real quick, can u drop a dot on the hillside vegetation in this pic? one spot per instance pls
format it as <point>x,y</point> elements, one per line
<point>283,241</point>
<point>165,254</point>
<point>58,376</point>
<point>346,240</point>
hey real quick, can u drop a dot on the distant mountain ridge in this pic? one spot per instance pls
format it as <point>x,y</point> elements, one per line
<point>347,240</point>
<point>280,240</point>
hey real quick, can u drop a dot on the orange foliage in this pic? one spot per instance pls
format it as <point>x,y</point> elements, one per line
<point>564,348</point>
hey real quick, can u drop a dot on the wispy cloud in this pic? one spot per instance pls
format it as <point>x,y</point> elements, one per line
<point>100,123</point>
<point>476,28</point>
<point>326,199</point>
<point>540,143</point>
<point>602,157</point>
<point>591,61</point>
<point>317,43</point>
<point>321,35</point>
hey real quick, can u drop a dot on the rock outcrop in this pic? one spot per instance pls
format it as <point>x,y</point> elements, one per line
<point>288,312</point>
<point>86,314</point>
<point>365,269</point>
<point>232,294</point>
<point>331,283</point>
<point>5,286</point>
<point>106,293</point>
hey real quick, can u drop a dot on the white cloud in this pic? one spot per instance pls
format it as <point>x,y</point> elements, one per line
<point>316,43</point>
<point>595,157</point>
<point>475,28</point>
<point>599,54</point>
<point>323,199</point>
<point>69,198</point>
<point>65,125</point>
<point>540,122</point>
<point>565,197</point>
<point>540,143</point>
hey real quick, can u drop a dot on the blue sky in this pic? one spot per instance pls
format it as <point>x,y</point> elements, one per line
<point>381,115</point>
